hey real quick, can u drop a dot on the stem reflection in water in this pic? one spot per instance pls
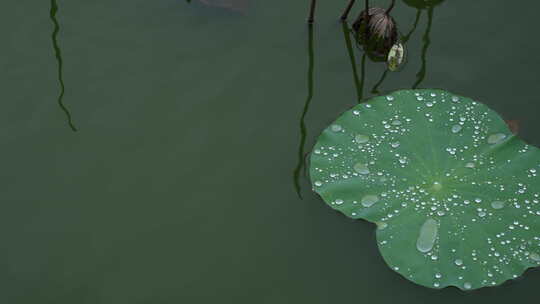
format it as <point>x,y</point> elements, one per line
<point>58,56</point>
<point>303,129</point>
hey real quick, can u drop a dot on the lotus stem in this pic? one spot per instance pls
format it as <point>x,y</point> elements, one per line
<point>311,17</point>
<point>391,7</point>
<point>347,10</point>
<point>348,43</point>
<point>303,129</point>
<point>367,19</point>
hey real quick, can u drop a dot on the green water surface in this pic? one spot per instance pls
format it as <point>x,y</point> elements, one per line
<point>153,151</point>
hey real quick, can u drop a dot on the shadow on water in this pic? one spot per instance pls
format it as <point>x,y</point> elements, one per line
<point>303,129</point>
<point>58,55</point>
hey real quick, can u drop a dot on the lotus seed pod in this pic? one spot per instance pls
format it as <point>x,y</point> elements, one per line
<point>376,32</point>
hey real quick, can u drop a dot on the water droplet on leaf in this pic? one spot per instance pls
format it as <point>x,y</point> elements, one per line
<point>427,236</point>
<point>369,200</point>
<point>496,138</point>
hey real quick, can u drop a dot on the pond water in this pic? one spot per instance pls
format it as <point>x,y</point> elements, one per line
<point>154,150</point>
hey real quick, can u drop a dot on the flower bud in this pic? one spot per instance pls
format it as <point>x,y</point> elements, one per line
<point>396,56</point>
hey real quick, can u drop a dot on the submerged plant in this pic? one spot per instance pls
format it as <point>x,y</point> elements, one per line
<point>454,193</point>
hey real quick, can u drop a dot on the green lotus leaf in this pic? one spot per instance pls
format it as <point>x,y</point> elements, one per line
<point>454,194</point>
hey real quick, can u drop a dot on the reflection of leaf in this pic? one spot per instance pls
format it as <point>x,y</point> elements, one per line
<point>421,4</point>
<point>455,195</point>
<point>235,5</point>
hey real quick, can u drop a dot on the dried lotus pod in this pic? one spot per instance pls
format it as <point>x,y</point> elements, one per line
<point>377,32</point>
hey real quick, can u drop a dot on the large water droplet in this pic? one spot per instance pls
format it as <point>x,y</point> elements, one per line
<point>361,139</point>
<point>496,138</point>
<point>470,165</point>
<point>336,128</point>
<point>535,257</point>
<point>458,262</point>
<point>427,236</point>
<point>369,200</point>
<point>381,225</point>
<point>497,205</point>
<point>361,168</point>
<point>456,128</point>
<point>467,285</point>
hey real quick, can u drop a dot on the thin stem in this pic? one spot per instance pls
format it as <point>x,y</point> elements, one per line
<point>368,16</point>
<point>348,43</point>
<point>426,39</point>
<point>347,10</point>
<point>303,129</point>
<point>408,36</point>
<point>363,77</point>
<point>391,7</point>
<point>375,89</point>
<point>312,11</point>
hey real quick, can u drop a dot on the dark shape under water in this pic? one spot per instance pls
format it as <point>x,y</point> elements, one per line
<point>303,130</point>
<point>58,55</point>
